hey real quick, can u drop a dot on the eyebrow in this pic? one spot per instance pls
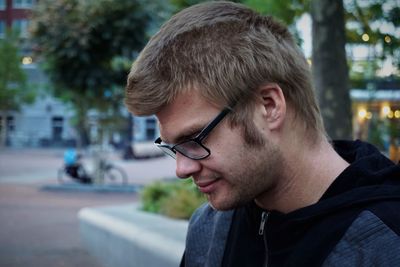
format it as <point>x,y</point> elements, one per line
<point>187,133</point>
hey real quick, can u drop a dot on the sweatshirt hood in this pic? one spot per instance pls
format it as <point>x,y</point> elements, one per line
<point>297,237</point>
<point>369,177</point>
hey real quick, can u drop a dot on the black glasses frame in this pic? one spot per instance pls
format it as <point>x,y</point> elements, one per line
<point>172,149</point>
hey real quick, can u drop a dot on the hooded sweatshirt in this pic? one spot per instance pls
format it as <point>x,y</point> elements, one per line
<point>355,223</point>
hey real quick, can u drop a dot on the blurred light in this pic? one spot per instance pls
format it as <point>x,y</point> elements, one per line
<point>388,39</point>
<point>397,114</point>
<point>369,115</point>
<point>385,110</point>
<point>365,37</point>
<point>26,60</point>
<point>390,115</point>
<point>309,62</point>
<point>362,113</point>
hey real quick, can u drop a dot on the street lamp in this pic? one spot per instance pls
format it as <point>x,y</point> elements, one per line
<point>365,37</point>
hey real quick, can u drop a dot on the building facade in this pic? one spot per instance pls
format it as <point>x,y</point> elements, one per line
<point>46,122</point>
<point>376,114</point>
<point>15,13</point>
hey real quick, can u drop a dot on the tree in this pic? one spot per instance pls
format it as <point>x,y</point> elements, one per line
<point>286,10</point>
<point>181,4</point>
<point>13,88</point>
<point>374,23</point>
<point>330,69</point>
<point>330,72</point>
<point>369,22</point>
<point>88,47</point>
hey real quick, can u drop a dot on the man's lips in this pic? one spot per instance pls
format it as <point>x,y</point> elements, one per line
<point>207,186</point>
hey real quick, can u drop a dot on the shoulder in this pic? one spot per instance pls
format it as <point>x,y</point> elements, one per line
<point>207,234</point>
<point>204,210</point>
<point>208,222</point>
<point>207,214</point>
<point>374,236</point>
<point>388,213</point>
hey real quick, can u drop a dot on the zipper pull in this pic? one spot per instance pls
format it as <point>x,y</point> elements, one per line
<point>264,217</point>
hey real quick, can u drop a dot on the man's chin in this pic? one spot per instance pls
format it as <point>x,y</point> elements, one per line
<point>219,208</point>
<point>222,205</point>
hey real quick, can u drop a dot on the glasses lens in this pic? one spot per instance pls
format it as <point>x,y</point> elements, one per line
<point>167,151</point>
<point>192,150</point>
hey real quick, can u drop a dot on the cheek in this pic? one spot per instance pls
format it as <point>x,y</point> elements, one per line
<point>229,144</point>
<point>229,163</point>
<point>228,151</point>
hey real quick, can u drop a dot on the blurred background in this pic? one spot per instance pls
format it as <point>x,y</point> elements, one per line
<point>63,68</point>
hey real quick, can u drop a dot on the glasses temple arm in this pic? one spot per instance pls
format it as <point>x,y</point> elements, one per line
<point>213,123</point>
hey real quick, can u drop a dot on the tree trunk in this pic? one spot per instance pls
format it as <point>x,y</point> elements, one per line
<point>81,123</point>
<point>330,71</point>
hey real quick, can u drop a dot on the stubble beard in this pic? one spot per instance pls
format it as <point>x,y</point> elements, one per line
<point>257,174</point>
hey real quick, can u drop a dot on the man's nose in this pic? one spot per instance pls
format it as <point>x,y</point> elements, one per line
<point>186,167</point>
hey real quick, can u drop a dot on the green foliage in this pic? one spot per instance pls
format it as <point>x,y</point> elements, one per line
<point>376,132</point>
<point>79,40</point>
<point>394,130</point>
<point>286,10</point>
<point>382,132</point>
<point>86,45</point>
<point>378,19</point>
<point>361,71</point>
<point>177,199</point>
<point>13,87</point>
<point>181,4</point>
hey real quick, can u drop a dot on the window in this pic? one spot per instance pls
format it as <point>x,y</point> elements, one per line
<point>2,28</point>
<point>21,26</point>
<point>57,124</point>
<point>2,4</point>
<point>10,123</point>
<point>23,3</point>
<point>151,125</point>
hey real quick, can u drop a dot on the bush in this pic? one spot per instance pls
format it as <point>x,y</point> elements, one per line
<point>177,199</point>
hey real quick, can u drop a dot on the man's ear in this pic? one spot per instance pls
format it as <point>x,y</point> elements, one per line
<point>273,104</point>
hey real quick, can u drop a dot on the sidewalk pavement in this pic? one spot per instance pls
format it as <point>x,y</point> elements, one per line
<point>40,227</point>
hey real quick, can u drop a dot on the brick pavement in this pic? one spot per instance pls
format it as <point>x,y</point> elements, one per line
<point>40,228</point>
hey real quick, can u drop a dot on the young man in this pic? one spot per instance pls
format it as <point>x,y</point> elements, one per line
<point>236,108</point>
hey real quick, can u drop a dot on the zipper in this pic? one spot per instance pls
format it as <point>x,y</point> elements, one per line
<point>264,219</point>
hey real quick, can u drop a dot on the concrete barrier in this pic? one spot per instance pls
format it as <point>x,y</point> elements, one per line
<point>122,236</point>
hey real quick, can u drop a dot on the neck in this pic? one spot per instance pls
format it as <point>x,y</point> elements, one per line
<point>308,172</point>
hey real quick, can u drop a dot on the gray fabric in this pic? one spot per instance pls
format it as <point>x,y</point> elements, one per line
<point>367,242</point>
<point>207,235</point>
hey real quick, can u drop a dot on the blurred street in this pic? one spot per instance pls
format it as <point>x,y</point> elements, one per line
<point>40,166</point>
<point>40,227</point>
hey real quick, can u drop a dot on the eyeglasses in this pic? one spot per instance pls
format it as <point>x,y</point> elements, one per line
<point>193,147</point>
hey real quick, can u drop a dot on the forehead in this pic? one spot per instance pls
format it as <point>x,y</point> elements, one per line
<point>188,111</point>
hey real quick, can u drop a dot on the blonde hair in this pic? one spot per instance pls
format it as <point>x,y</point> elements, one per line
<point>225,51</point>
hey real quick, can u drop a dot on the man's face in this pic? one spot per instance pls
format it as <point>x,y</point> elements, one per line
<point>234,173</point>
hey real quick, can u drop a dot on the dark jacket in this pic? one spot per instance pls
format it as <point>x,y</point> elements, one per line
<point>355,223</point>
